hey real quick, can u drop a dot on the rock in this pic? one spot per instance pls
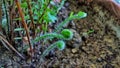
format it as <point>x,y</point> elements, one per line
<point>74,50</point>
<point>16,58</point>
<point>92,66</point>
<point>29,61</point>
<point>99,60</point>
<point>67,4</point>
<point>85,34</point>
<point>76,41</point>
<point>67,66</point>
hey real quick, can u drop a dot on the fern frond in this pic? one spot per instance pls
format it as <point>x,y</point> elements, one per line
<point>59,44</point>
<point>49,36</point>
<point>71,17</point>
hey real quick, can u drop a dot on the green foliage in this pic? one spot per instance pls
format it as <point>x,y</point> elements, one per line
<point>18,29</point>
<point>44,12</point>
<point>49,15</point>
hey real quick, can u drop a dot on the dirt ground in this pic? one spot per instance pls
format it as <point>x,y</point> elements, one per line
<point>99,49</point>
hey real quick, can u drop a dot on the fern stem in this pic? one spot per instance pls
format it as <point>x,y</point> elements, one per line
<point>24,23</point>
<point>51,47</point>
<point>49,36</point>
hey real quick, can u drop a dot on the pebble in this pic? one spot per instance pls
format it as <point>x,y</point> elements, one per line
<point>67,4</point>
<point>76,41</point>
<point>74,50</point>
<point>16,58</point>
<point>29,61</point>
<point>99,60</point>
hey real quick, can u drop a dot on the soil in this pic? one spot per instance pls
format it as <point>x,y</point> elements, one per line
<point>99,49</point>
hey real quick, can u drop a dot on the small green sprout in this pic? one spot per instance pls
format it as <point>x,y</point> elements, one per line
<point>59,44</point>
<point>86,34</point>
<point>90,31</point>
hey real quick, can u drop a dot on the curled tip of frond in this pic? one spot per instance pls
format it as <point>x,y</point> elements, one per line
<point>61,45</point>
<point>68,34</point>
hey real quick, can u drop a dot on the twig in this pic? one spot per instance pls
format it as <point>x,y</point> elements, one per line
<point>11,47</point>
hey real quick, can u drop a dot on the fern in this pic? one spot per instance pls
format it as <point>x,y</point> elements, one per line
<point>49,36</point>
<point>71,17</point>
<point>66,34</point>
<point>59,44</point>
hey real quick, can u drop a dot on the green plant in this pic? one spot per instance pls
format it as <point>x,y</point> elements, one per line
<point>90,31</point>
<point>65,34</point>
<point>72,16</point>
<point>45,12</point>
<point>86,34</point>
<point>59,44</point>
<point>35,16</point>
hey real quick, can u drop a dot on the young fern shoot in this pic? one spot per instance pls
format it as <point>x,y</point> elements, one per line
<point>65,34</point>
<point>59,44</point>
